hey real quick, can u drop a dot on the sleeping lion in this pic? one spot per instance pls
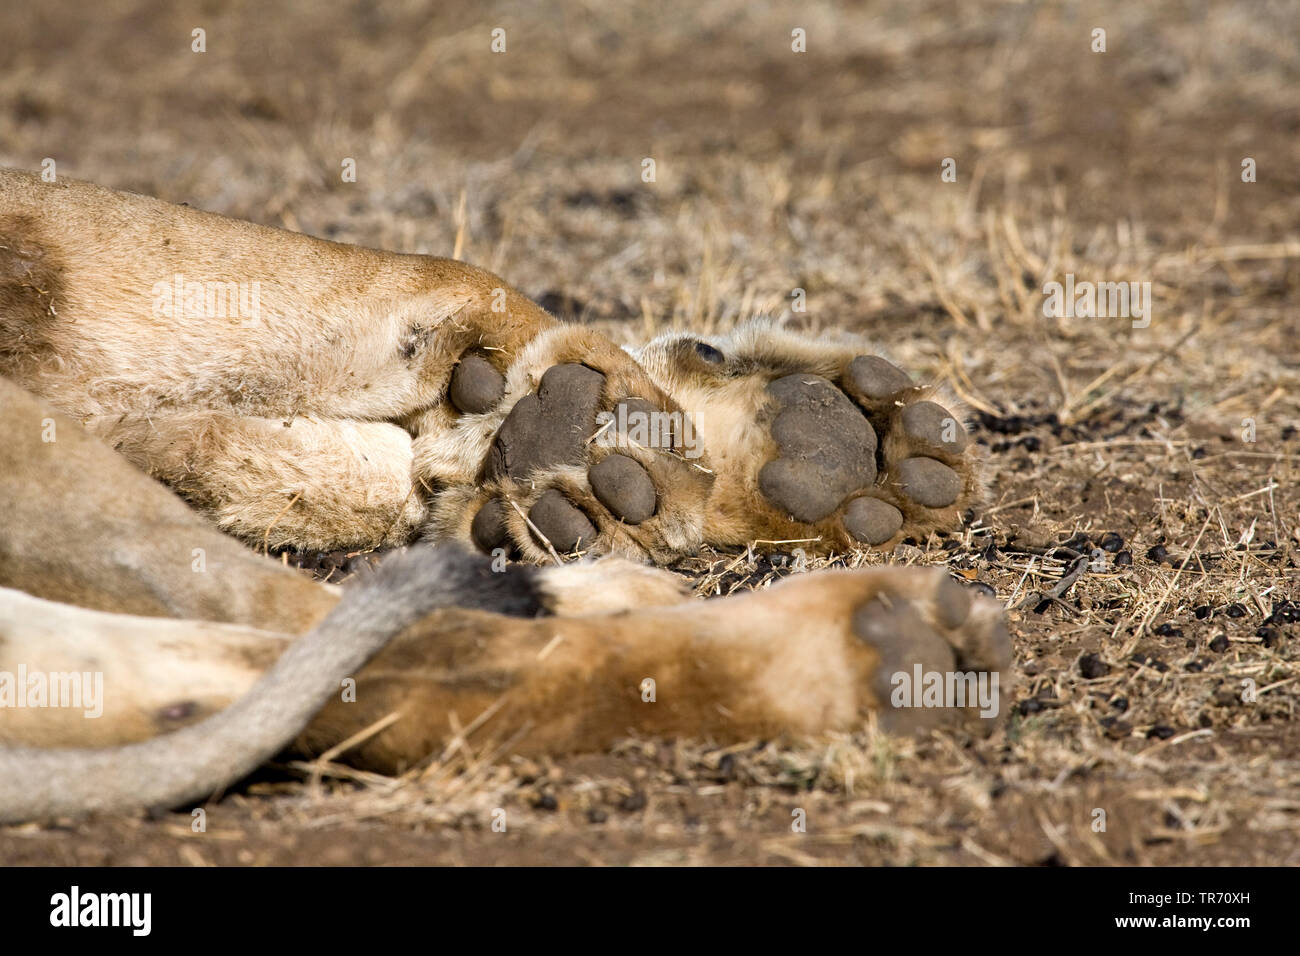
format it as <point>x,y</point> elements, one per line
<point>174,380</point>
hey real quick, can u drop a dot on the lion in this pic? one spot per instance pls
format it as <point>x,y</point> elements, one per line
<point>369,400</point>
<point>304,393</point>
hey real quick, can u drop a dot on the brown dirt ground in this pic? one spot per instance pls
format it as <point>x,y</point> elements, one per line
<point>819,171</point>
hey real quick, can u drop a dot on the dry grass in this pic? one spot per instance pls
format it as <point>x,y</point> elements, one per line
<point>819,172</point>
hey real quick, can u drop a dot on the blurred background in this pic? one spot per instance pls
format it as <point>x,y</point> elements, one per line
<point>775,169</point>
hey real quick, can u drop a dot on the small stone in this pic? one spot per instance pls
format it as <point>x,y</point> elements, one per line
<point>1111,542</point>
<point>1092,667</point>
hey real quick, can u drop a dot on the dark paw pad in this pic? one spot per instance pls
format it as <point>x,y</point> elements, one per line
<point>551,426</point>
<point>903,640</point>
<point>872,521</point>
<point>951,603</point>
<point>565,526</point>
<point>475,385</point>
<point>929,482</point>
<point>827,448</point>
<point>488,529</point>
<point>624,487</point>
<point>876,378</point>
<point>932,423</point>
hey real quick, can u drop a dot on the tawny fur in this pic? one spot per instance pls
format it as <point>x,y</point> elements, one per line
<point>783,661</point>
<point>319,419</point>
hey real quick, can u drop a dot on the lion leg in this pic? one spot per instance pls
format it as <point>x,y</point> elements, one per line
<point>125,678</point>
<point>812,654</point>
<point>107,679</point>
<point>306,483</point>
<point>83,526</point>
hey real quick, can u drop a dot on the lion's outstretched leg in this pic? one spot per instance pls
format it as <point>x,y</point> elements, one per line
<point>461,646</point>
<point>814,653</point>
<point>107,679</point>
<point>194,761</point>
<point>126,678</point>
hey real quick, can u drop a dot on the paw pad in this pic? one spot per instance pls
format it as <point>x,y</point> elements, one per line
<point>566,527</point>
<point>550,426</point>
<point>896,632</point>
<point>488,529</point>
<point>475,385</point>
<point>875,378</point>
<point>938,631</point>
<point>929,482</point>
<point>872,521</point>
<point>933,424</point>
<point>624,487</point>
<point>827,448</point>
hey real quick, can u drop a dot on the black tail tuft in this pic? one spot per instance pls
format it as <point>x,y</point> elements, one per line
<point>454,576</point>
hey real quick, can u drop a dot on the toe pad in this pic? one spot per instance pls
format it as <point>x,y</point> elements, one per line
<point>872,521</point>
<point>565,526</point>
<point>624,487</point>
<point>488,529</point>
<point>876,378</point>
<point>932,423</point>
<point>929,482</point>
<point>475,385</point>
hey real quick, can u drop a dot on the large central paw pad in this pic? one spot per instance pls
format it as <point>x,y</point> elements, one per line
<point>828,448</point>
<point>551,426</point>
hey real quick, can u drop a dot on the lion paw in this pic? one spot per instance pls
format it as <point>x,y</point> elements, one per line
<point>817,444</point>
<point>575,451</point>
